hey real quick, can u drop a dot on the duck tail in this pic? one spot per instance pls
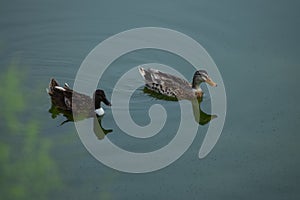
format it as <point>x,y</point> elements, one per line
<point>53,83</point>
<point>146,73</point>
<point>142,71</point>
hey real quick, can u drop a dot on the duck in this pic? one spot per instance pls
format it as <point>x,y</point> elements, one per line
<point>173,86</point>
<point>67,100</point>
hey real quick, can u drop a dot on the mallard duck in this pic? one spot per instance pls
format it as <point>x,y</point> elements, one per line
<point>61,98</point>
<point>174,86</point>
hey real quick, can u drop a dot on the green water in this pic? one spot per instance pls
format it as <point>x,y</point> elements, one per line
<point>255,45</point>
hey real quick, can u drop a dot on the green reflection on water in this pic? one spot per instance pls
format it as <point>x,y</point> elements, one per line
<point>27,170</point>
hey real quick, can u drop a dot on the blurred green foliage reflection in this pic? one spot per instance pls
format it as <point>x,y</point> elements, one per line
<point>27,170</point>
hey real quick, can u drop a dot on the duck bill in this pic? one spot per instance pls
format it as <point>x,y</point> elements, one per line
<point>211,82</point>
<point>106,102</point>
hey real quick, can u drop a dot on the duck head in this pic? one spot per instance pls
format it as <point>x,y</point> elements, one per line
<point>202,76</point>
<point>99,96</point>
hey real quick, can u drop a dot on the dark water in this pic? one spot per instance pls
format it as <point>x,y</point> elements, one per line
<point>255,45</point>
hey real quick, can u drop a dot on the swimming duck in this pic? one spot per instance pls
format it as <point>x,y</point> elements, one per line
<point>174,86</point>
<point>61,97</point>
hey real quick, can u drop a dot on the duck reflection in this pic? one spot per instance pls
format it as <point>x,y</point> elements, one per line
<point>98,129</point>
<point>69,103</point>
<point>199,115</point>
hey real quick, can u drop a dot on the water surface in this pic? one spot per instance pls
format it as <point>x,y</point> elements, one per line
<point>255,45</point>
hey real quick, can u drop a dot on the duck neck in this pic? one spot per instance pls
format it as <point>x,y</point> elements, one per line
<point>97,103</point>
<point>196,84</point>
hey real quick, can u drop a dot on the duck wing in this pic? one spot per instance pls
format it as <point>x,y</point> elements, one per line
<point>76,101</point>
<point>67,99</point>
<point>79,102</point>
<point>166,84</point>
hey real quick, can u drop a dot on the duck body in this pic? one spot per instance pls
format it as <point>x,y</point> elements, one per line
<point>173,86</point>
<point>66,99</point>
